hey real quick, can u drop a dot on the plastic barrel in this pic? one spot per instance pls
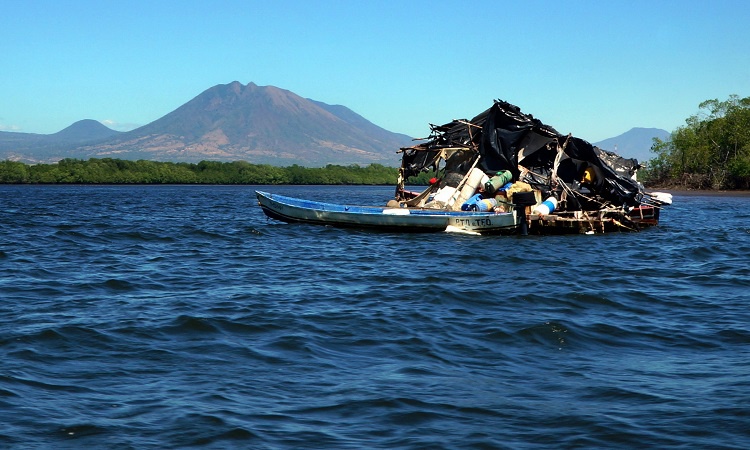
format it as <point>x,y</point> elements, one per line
<point>486,204</point>
<point>474,180</point>
<point>471,203</point>
<point>546,206</point>
<point>496,182</point>
<point>505,188</point>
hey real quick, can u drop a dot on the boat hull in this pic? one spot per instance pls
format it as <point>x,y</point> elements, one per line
<point>290,209</point>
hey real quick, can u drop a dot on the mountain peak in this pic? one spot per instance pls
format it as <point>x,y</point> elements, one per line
<point>259,124</point>
<point>85,130</point>
<point>635,143</point>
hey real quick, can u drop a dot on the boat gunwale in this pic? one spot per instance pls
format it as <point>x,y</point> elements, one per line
<point>421,219</point>
<point>373,210</point>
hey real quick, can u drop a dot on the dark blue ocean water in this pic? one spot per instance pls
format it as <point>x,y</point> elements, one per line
<point>154,317</point>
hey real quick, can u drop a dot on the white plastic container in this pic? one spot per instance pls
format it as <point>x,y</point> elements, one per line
<point>476,178</point>
<point>444,196</point>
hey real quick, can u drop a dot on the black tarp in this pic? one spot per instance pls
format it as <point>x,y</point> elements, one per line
<point>506,137</point>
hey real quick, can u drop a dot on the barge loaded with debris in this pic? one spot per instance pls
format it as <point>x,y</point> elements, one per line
<point>501,172</point>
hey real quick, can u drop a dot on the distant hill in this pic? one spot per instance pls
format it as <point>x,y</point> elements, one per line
<point>635,143</point>
<point>32,147</point>
<point>86,130</point>
<point>230,122</point>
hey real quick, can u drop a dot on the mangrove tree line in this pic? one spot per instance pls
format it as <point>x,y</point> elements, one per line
<point>119,171</point>
<point>711,151</point>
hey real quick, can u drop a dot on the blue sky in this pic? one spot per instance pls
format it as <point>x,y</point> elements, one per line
<point>591,68</point>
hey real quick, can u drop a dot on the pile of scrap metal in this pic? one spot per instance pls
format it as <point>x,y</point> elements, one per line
<point>506,160</point>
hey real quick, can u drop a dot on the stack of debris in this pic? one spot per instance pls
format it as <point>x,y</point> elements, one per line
<point>505,160</point>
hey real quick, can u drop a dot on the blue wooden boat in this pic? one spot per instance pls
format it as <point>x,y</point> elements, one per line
<point>290,209</point>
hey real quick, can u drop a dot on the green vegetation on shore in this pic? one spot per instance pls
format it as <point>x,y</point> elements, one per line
<point>712,151</point>
<point>118,171</point>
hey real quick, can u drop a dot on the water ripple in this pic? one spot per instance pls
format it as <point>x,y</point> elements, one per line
<point>179,316</point>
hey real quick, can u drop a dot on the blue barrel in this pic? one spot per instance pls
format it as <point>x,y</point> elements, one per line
<point>546,207</point>
<point>487,204</point>
<point>471,204</point>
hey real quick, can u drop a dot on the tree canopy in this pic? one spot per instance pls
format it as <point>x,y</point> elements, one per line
<point>711,151</point>
<point>119,171</point>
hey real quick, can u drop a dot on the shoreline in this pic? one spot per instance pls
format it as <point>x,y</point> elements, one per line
<point>700,192</point>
